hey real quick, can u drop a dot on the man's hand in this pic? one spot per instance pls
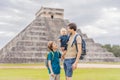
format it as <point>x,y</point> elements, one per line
<point>74,66</point>
<point>62,57</point>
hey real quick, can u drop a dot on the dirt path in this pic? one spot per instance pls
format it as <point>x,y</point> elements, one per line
<point>79,66</point>
<point>99,65</point>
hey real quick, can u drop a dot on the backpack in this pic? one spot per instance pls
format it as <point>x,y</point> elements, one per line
<point>46,60</point>
<point>83,46</point>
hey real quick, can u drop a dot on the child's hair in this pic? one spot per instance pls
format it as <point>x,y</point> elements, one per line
<point>63,29</point>
<point>50,45</point>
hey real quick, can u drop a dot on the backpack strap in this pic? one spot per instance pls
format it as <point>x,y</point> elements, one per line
<point>75,41</point>
<point>52,55</point>
<point>59,53</point>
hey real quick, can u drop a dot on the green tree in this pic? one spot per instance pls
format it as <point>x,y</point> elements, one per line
<point>115,49</point>
<point>108,47</point>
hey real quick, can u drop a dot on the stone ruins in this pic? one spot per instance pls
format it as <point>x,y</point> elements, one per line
<point>30,45</point>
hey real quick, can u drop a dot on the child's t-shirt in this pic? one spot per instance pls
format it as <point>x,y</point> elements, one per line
<point>55,62</point>
<point>64,39</point>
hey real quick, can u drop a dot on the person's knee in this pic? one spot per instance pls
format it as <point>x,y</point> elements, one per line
<point>58,77</point>
<point>68,78</point>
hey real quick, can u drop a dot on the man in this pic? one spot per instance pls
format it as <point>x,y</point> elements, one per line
<point>72,55</point>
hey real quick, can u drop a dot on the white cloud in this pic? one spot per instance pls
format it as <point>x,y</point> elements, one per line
<point>7,34</point>
<point>109,20</point>
<point>107,28</point>
<point>3,23</point>
<point>52,5</point>
<point>93,31</point>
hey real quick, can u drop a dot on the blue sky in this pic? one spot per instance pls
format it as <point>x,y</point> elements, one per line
<point>99,19</point>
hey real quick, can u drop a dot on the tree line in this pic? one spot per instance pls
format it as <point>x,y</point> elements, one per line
<point>115,49</point>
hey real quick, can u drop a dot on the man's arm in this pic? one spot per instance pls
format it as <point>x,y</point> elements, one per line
<point>79,46</point>
<point>79,52</point>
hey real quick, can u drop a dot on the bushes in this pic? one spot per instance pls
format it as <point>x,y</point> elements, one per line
<point>115,49</point>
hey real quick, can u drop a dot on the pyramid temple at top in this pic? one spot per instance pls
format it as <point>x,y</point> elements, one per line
<point>30,45</point>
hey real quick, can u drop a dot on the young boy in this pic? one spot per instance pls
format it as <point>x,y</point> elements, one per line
<point>63,41</point>
<point>53,61</point>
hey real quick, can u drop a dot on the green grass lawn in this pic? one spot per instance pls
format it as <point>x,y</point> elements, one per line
<point>42,74</point>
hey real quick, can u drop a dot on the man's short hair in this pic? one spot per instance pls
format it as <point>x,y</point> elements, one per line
<point>72,26</point>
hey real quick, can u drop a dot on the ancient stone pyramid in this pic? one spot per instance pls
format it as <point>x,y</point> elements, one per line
<point>30,45</point>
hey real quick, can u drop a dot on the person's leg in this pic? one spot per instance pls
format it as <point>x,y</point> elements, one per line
<point>69,70</point>
<point>69,78</point>
<point>52,78</point>
<point>62,49</point>
<point>65,68</point>
<point>57,77</point>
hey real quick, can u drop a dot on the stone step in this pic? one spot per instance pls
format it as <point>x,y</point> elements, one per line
<point>99,55</point>
<point>23,60</point>
<point>89,40</point>
<point>100,60</point>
